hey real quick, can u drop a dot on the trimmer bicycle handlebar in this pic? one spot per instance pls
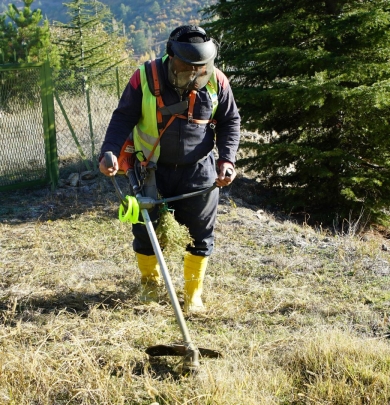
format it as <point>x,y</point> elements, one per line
<point>147,202</point>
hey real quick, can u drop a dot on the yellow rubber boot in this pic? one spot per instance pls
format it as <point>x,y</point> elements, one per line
<point>150,277</point>
<point>194,270</point>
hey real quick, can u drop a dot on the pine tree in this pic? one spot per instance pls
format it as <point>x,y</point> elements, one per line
<point>89,43</point>
<point>314,76</point>
<point>25,36</point>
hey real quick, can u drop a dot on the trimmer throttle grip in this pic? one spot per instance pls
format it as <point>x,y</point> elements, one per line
<point>228,172</point>
<point>109,158</point>
<point>133,181</point>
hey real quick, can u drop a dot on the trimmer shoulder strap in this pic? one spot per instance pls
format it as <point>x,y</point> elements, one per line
<point>153,75</point>
<point>154,71</point>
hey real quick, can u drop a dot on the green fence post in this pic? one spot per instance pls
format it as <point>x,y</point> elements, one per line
<point>117,83</point>
<point>91,134</point>
<point>49,124</point>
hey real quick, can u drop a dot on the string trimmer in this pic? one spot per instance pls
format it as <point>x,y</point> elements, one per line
<point>130,208</point>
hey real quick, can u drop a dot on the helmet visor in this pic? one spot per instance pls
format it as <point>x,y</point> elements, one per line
<point>185,76</point>
<point>196,53</point>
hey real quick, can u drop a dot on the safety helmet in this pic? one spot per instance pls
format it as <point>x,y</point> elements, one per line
<point>192,57</point>
<point>191,44</point>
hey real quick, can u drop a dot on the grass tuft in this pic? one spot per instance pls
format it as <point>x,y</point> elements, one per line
<point>172,236</point>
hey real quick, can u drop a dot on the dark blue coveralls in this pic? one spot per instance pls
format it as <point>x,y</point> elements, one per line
<point>186,163</point>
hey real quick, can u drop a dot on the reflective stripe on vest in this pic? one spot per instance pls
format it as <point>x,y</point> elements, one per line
<point>146,132</point>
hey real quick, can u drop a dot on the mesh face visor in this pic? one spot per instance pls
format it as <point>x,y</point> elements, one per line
<point>186,76</point>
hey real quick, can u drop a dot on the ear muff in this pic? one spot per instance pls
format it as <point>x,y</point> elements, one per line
<point>169,48</point>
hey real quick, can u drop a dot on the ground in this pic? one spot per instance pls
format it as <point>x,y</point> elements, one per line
<point>295,310</point>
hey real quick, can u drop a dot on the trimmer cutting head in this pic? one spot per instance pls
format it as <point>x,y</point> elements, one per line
<point>180,350</point>
<point>191,355</point>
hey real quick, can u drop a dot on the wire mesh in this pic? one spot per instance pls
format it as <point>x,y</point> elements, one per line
<point>22,144</point>
<point>87,101</point>
<point>76,91</point>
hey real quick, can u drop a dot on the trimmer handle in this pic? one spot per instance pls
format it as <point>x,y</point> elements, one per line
<point>109,158</point>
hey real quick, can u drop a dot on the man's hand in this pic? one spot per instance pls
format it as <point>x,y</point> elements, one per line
<point>222,179</point>
<point>109,171</point>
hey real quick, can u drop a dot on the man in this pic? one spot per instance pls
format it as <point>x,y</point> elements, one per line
<point>178,130</point>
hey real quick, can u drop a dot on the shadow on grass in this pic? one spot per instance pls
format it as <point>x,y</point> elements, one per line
<point>29,309</point>
<point>158,368</point>
<point>43,204</point>
<point>12,312</point>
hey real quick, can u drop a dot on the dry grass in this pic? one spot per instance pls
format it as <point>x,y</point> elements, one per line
<point>300,315</point>
<point>21,157</point>
<point>77,113</point>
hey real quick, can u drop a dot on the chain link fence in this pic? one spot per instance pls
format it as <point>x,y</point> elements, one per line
<point>23,143</point>
<point>80,113</point>
<point>84,102</point>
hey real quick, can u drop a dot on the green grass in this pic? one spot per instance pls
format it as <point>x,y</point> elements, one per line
<point>300,315</point>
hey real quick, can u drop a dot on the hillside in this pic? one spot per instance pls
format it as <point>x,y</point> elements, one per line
<point>146,23</point>
<point>54,10</point>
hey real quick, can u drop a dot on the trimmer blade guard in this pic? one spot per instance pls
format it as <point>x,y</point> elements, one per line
<point>179,350</point>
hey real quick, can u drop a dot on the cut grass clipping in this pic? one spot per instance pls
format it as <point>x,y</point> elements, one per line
<point>172,236</point>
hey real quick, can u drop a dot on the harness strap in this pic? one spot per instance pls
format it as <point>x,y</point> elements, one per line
<point>157,92</point>
<point>191,120</point>
<point>173,109</point>
<point>192,98</point>
<point>145,162</point>
<point>161,108</point>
